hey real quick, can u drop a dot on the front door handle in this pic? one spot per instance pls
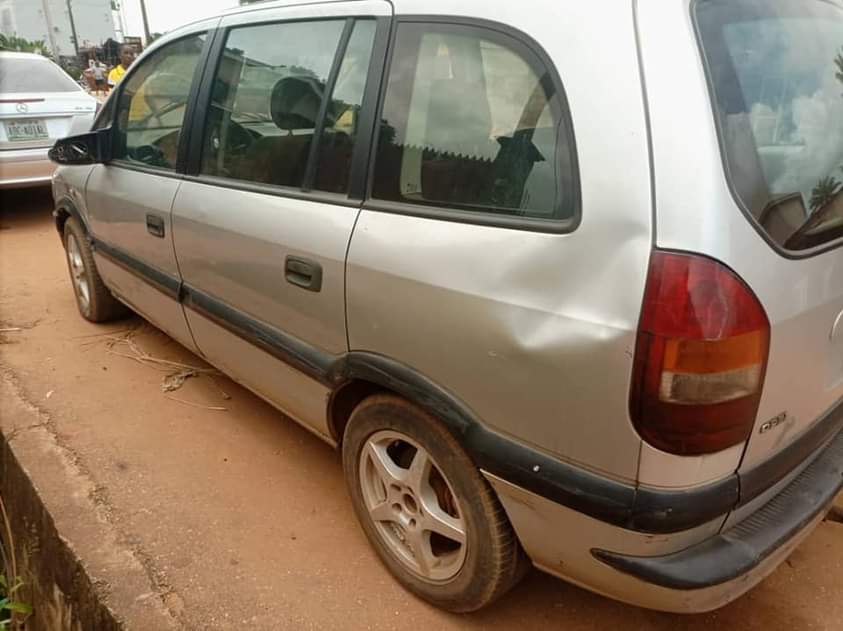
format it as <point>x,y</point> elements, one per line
<point>303,273</point>
<point>155,226</point>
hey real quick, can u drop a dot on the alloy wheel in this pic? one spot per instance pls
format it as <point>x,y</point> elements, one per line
<point>78,273</point>
<point>413,506</point>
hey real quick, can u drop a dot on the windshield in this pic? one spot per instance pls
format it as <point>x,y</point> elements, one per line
<point>33,75</point>
<point>776,68</point>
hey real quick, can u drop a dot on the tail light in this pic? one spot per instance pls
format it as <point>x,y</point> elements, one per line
<point>700,357</point>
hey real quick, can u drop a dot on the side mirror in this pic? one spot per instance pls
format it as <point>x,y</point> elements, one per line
<point>91,148</point>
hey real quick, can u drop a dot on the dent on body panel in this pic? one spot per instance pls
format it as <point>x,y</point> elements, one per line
<point>529,330</point>
<point>571,357</point>
<point>534,332</point>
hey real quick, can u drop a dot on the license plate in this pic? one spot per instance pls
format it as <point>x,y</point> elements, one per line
<point>28,129</point>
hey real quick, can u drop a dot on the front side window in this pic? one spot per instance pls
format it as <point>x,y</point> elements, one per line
<point>152,105</point>
<point>776,70</point>
<point>105,117</point>
<point>471,121</point>
<point>267,100</point>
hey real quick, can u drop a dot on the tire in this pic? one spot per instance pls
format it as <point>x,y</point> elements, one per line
<point>94,300</point>
<point>404,502</point>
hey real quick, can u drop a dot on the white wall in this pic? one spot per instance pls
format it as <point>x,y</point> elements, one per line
<point>30,18</point>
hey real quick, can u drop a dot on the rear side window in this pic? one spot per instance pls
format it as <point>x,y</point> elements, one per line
<point>776,69</point>
<point>343,112</point>
<point>269,97</point>
<point>472,121</point>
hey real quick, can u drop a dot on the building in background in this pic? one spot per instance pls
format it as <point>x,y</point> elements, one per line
<point>50,20</point>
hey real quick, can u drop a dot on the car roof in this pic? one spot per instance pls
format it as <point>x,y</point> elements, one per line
<point>197,25</point>
<point>477,8</point>
<point>269,4</point>
<point>8,54</point>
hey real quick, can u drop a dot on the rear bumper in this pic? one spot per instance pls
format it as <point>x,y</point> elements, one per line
<point>25,167</point>
<point>741,549</point>
<point>697,570</point>
<point>646,509</point>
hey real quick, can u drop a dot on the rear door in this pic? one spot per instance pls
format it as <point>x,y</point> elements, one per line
<point>130,199</point>
<point>262,223</point>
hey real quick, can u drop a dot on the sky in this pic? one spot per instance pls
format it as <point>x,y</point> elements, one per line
<point>165,15</point>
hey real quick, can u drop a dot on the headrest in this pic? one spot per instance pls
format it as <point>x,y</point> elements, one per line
<point>295,102</point>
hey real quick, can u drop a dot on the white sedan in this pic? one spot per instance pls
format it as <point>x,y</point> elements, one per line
<point>39,103</point>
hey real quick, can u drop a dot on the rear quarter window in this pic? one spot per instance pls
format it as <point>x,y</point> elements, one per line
<point>473,123</point>
<point>776,74</point>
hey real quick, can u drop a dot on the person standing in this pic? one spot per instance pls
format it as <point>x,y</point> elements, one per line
<point>127,56</point>
<point>88,77</point>
<point>98,69</point>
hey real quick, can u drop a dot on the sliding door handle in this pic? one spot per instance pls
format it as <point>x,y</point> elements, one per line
<point>303,273</point>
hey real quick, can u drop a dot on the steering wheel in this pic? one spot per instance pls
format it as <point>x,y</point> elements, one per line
<point>149,154</point>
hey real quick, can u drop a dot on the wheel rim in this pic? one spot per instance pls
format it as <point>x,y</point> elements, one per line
<point>77,273</point>
<point>413,506</point>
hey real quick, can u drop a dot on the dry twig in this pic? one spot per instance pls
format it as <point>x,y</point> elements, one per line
<point>196,405</point>
<point>106,334</point>
<point>176,372</point>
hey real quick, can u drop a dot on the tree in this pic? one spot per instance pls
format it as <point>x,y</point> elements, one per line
<point>825,191</point>
<point>21,45</point>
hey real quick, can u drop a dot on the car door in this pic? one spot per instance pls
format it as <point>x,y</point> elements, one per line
<point>262,224</point>
<point>129,199</point>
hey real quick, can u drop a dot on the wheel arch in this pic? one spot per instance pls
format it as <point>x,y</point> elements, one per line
<point>362,374</point>
<point>64,210</point>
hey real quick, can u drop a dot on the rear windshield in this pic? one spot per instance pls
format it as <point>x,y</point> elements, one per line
<point>776,68</point>
<point>33,75</point>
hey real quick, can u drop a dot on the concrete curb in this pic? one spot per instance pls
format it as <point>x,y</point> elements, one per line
<point>80,575</point>
<point>62,593</point>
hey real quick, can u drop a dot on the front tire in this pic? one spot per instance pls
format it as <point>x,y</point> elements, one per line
<point>95,301</point>
<point>433,520</point>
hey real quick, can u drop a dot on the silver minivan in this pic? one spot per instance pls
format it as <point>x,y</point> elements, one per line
<point>562,281</point>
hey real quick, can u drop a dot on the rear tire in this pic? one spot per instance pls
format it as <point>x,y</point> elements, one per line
<point>94,300</point>
<point>416,493</point>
